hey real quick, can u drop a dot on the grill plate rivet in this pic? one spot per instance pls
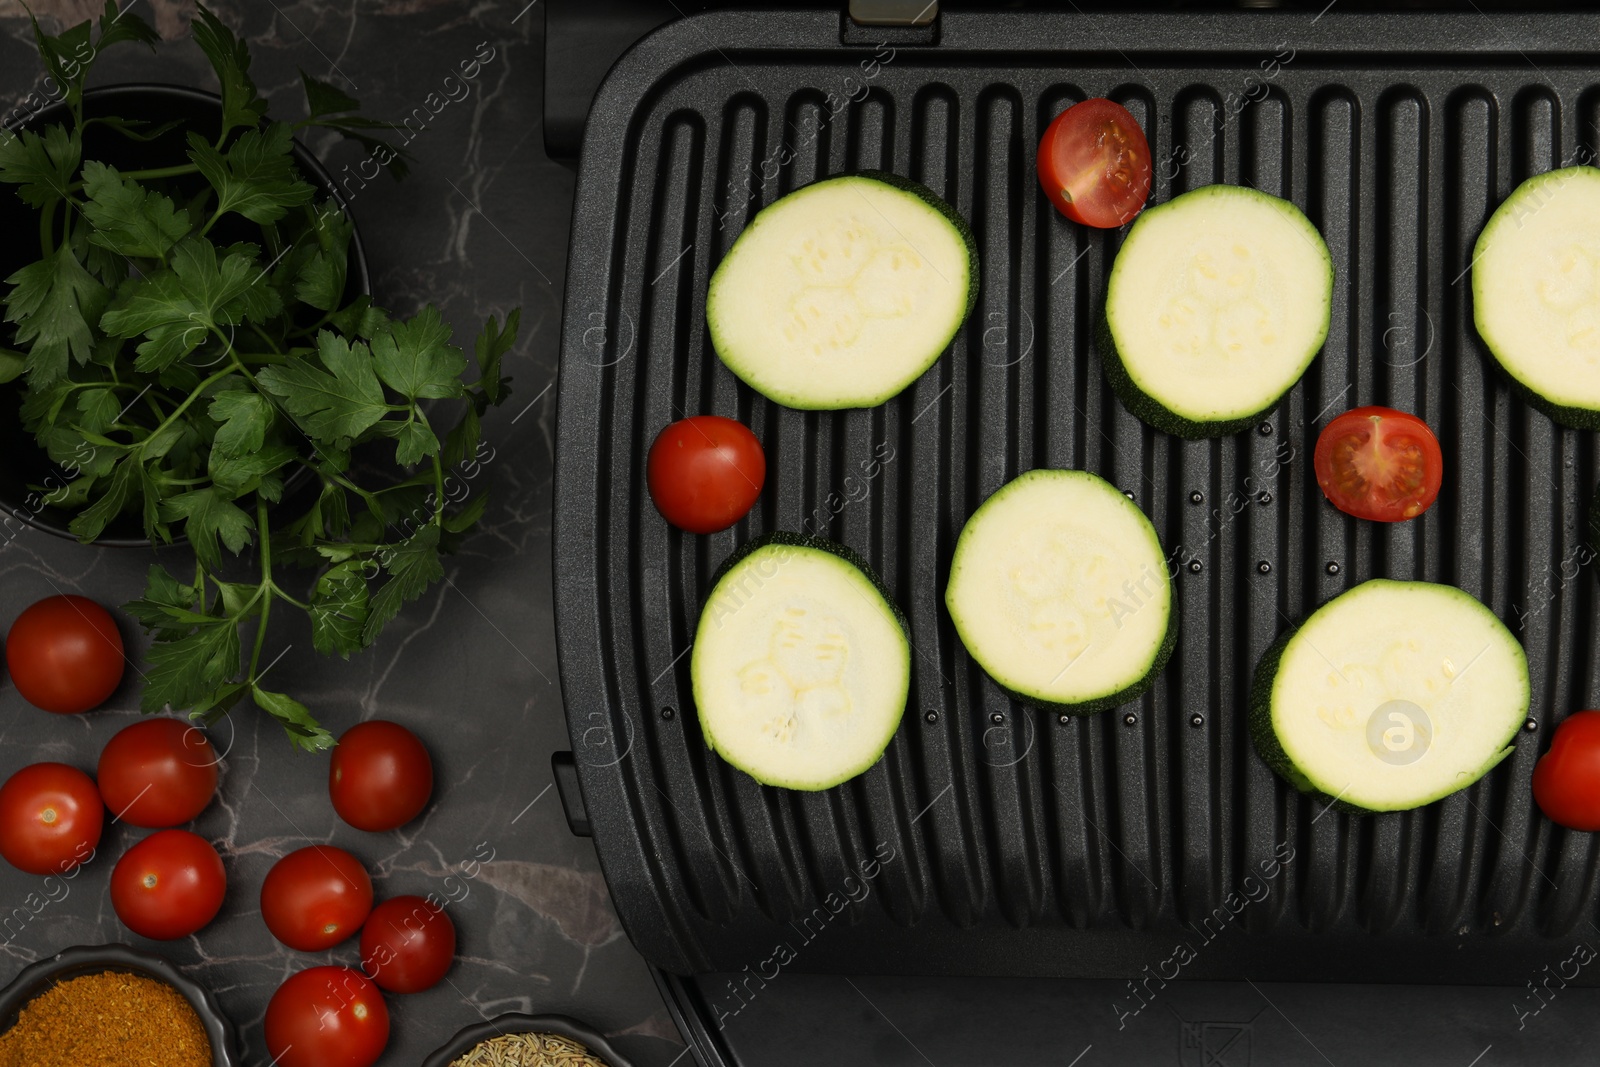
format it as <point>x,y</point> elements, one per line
<point>666,713</point>
<point>1263,497</point>
<point>1530,726</point>
<point>1063,719</point>
<point>1264,567</point>
<point>1197,719</point>
<point>1197,497</point>
<point>997,718</point>
<point>1195,566</point>
<point>932,716</point>
<point>1265,429</point>
<point>1332,567</point>
<point>1130,719</point>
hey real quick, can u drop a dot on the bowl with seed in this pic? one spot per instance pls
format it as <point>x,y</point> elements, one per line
<point>517,1040</point>
<point>104,1005</point>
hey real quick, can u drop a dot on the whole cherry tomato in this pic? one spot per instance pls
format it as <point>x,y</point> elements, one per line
<point>705,473</point>
<point>65,654</point>
<point>169,885</point>
<point>380,776</point>
<point>157,773</point>
<point>1566,780</point>
<point>50,818</point>
<point>316,897</point>
<point>407,945</point>
<point>326,1017</point>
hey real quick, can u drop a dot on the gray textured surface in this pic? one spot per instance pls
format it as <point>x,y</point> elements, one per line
<point>478,228</point>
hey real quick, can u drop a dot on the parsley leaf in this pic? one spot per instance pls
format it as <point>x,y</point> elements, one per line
<point>411,565</point>
<point>211,515</point>
<point>416,360</point>
<point>324,99</point>
<point>493,344</point>
<point>91,521</point>
<point>256,178</point>
<point>167,607</point>
<point>12,364</point>
<point>245,415</point>
<point>53,303</point>
<point>241,103</point>
<point>330,405</point>
<point>296,719</point>
<point>192,668</point>
<point>128,218</point>
<point>177,307</point>
<point>118,26</point>
<point>42,166</point>
<point>339,609</point>
<point>413,439</point>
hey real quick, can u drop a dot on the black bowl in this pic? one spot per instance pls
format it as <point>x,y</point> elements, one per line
<point>21,461</point>
<point>515,1023</point>
<point>37,978</point>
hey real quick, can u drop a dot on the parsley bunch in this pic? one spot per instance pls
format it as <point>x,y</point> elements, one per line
<point>210,386</point>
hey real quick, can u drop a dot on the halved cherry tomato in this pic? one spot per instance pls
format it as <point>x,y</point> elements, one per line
<point>326,1017</point>
<point>65,654</point>
<point>1378,463</point>
<point>705,472</point>
<point>1566,780</point>
<point>1094,164</point>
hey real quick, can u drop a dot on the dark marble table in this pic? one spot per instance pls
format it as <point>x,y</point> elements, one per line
<point>478,228</point>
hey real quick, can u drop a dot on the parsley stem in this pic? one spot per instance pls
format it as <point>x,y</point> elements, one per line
<point>277,590</point>
<point>158,172</point>
<point>190,399</point>
<point>267,586</point>
<point>215,215</point>
<point>438,486</point>
<point>47,241</point>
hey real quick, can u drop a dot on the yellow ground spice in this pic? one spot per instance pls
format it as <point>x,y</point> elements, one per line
<point>111,1019</point>
<point>529,1050</point>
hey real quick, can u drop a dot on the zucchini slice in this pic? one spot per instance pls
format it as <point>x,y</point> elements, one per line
<point>1536,292</point>
<point>1060,591</point>
<point>801,665</point>
<point>1217,303</point>
<point>1390,696</point>
<point>842,293</point>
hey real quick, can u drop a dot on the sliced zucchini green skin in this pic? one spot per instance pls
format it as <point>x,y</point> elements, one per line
<point>844,552</point>
<point>1092,705</point>
<point>1272,752</point>
<point>801,402</point>
<point>952,216</point>
<point>1157,414</point>
<point>1577,418</point>
<point>1147,407</point>
<point>821,544</point>
<point>1095,706</point>
<point>1266,738</point>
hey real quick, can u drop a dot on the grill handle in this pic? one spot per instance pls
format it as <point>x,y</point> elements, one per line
<point>565,770</point>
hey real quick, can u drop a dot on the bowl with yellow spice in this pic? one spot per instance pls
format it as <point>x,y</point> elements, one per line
<point>518,1040</point>
<point>100,1005</point>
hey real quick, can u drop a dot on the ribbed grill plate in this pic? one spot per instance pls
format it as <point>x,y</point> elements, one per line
<point>1024,845</point>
